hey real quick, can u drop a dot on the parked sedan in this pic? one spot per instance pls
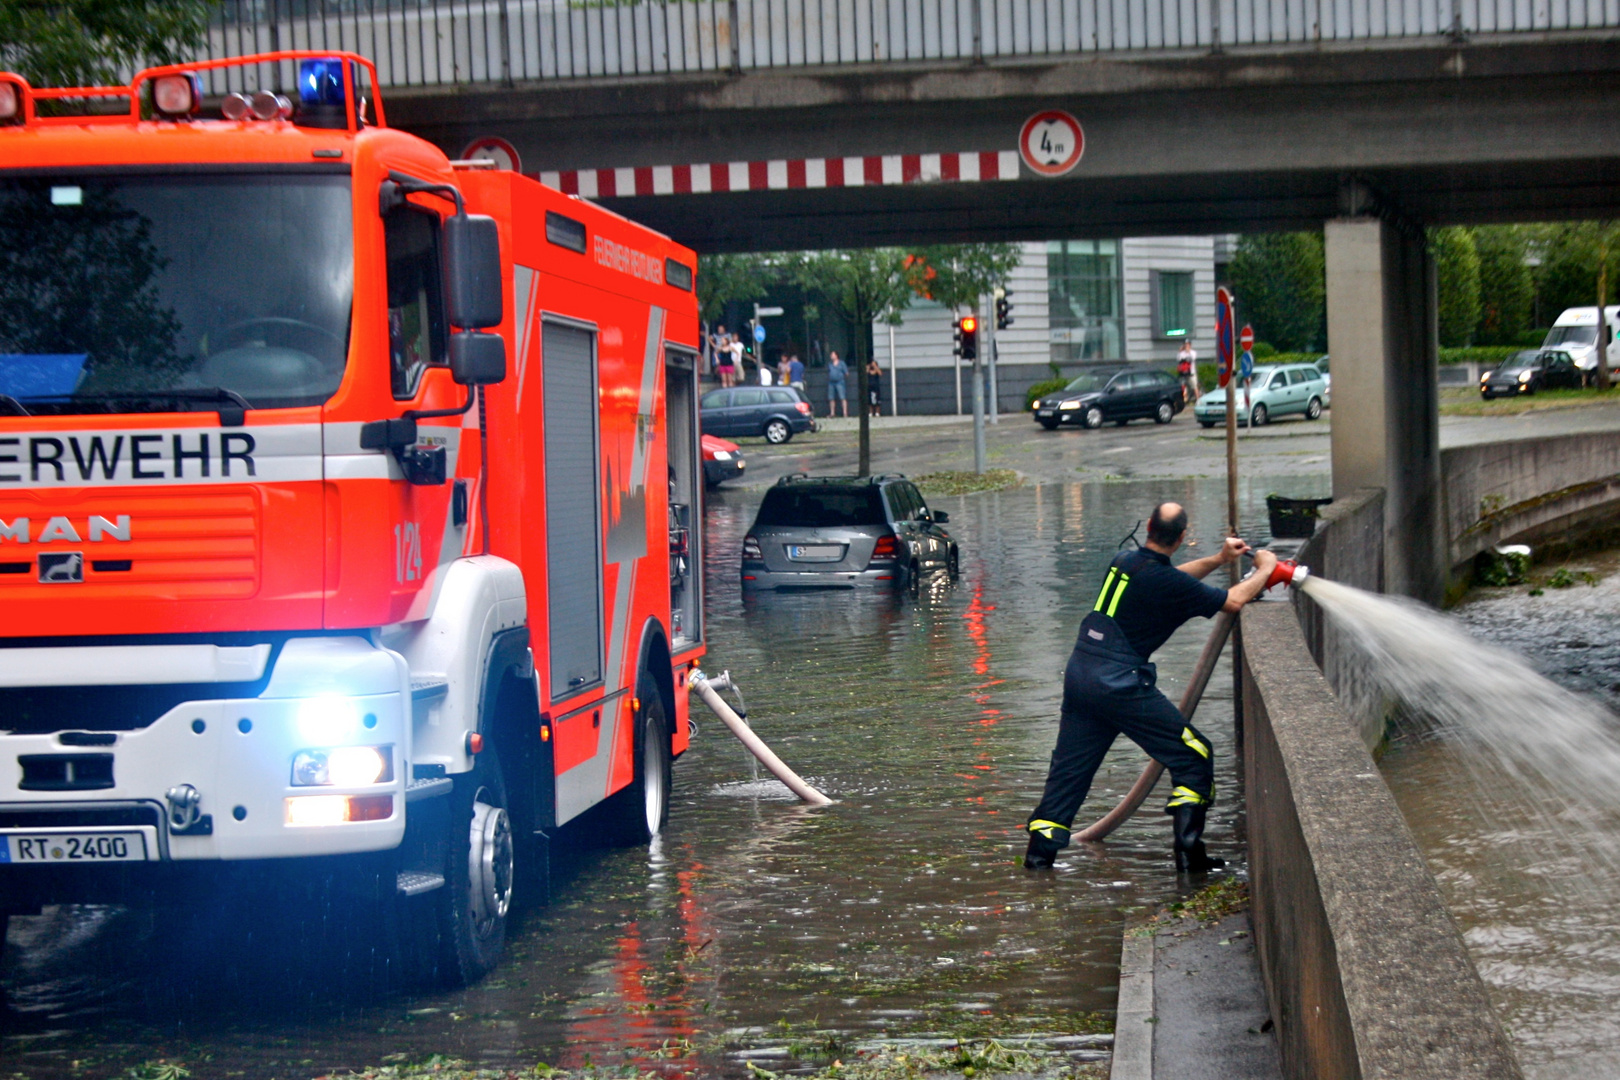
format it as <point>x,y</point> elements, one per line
<point>776,412</point>
<point>722,461</point>
<point>840,532</point>
<point>1273,391</point>
<point>1525,372</point>
<point>1121,397</point>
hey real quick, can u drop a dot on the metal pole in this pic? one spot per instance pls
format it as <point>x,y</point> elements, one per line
<point>506,46</point>
<point>736,51</point>
<point>978,415</point>
<point>995,393</point>
<point>894,377</point>
<point>958,362</point>
<point>978,31</point>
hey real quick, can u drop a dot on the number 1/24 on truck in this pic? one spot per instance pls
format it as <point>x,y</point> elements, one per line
<point>346,497</point>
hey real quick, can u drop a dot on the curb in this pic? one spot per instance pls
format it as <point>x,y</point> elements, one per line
<point>1133,1020</point>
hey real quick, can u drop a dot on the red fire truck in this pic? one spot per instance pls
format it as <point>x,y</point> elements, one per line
<point>346,501</point>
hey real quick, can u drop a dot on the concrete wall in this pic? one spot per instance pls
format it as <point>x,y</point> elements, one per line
<point>1504,490</point>
<point>1366,972</point>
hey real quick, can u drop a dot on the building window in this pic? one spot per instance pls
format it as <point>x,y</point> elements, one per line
<point>1172,304</point>
<point>1083,283</point>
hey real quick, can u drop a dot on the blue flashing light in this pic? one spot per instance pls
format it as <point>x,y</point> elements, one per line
<point>320,82</point>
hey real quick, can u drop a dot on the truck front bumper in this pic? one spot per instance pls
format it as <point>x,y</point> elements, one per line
<point>214,779</point>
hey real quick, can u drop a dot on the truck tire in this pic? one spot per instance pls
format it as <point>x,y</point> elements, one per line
<point>640,810</point>
<point>477,895</point>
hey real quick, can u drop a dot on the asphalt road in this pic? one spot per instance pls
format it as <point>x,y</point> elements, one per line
<point>1142,450</point>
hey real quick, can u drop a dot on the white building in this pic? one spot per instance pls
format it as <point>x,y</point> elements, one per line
<point>1074,302</point>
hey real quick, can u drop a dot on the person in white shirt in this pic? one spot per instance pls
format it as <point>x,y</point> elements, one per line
<point>1187,368</point>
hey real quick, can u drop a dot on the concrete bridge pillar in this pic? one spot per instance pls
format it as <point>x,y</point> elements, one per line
<point>1382,336</point>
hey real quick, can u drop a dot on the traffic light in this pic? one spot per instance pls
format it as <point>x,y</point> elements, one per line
<point>967,329</point>
<point>748,338</point>
<point>1003,310</point>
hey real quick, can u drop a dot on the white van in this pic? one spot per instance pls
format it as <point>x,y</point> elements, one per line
<point>1575,332</point>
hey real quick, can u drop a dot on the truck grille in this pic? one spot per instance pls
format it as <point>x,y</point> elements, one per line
<point>183,545</point>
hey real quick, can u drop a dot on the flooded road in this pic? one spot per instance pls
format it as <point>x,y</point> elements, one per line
<point>754,928</point>
<point>1544,935</point>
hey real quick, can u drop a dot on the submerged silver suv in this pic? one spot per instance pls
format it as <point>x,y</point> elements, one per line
<point>839,532</point>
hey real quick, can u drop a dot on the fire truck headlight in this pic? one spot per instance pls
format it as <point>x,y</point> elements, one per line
<point>177,95</point>
<point>10,102</point>
<point>343,766</point>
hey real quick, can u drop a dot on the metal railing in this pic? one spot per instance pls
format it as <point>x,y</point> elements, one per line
<point>456,42</point>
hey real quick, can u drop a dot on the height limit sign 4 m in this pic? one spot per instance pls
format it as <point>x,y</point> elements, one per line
<point>1051,142</point>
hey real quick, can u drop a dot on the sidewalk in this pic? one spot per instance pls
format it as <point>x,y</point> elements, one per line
<point>1192,1006</point>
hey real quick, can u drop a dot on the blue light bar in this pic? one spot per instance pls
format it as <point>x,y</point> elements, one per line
<point>320,82</point>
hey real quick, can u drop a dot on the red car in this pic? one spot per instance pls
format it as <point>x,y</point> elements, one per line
<point>722,461</point>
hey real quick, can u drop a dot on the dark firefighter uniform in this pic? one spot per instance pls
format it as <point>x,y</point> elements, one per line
<point>1110,688</point>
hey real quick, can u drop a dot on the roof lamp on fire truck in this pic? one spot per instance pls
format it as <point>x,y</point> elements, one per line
<point>174,96</point>
<point>324,90</point>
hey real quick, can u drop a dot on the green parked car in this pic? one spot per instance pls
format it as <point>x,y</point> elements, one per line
<point>1274,391</point>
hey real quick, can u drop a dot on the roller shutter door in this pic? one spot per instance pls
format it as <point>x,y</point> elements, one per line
<point>573,503</point>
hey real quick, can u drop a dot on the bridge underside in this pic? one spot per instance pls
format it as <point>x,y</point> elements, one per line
<point>1503,131</point>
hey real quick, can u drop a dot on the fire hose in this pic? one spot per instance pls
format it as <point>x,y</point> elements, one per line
<point>709,691</point>
<point>1287,572</point>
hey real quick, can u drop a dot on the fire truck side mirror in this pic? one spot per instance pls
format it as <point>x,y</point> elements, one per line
<point>477,359</point>
<point>472,257</point>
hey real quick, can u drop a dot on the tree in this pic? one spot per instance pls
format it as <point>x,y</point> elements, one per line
<point>728,279</point>
<point>1580,263</point>
<point>1506,288</point>
<point>1281,287</point>
<point>1457,270</point>
<point>865,285</point>
<point>956,275</point>
<point>87,42</point>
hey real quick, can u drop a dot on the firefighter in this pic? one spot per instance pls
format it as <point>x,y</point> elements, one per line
<point>1108,687</point>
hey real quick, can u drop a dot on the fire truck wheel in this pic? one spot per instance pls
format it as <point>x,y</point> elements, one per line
<point>478,888</point>
<point>641,809</point>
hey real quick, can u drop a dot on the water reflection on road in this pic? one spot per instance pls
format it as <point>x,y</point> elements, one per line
<point>899,909</point>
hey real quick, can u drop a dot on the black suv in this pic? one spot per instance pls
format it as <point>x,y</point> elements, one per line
<point>1094,397</point>
<point>776,412</point>
<point>839,532</point>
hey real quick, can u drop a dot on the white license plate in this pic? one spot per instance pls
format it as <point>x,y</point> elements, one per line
<point>1044,412</point>
<point>815,551</point>
<point>62,848</point>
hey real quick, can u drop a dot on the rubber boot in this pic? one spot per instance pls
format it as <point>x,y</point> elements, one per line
<point>1187,823</point>
<point>1044,845</point>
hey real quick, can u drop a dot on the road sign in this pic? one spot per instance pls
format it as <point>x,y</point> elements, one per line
<point>764,312</point>
<point>1246,338</point>
<point>1051,142</point>
<point>759,333</point>
<point>493,148</point>
<point>1224,317</point>
<point>1246,366</point>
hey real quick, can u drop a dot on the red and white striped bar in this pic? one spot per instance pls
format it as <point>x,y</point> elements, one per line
<point>718,177</point>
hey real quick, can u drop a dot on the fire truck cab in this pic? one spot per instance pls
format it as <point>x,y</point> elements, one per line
<point>348,501</point>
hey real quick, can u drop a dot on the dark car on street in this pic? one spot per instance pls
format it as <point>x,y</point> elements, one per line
<point>844,531</point>
<point>776,412</point>
<point>1525,372</point>
<point>1094,397</point>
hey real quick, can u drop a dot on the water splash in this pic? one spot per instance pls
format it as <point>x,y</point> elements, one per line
<point>1535,754</point>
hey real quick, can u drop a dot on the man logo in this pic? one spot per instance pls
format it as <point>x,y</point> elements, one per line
<point>60,567</point>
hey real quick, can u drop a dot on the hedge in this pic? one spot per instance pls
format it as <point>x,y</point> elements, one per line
<point>1041,389</point>
<point>1490,355</point>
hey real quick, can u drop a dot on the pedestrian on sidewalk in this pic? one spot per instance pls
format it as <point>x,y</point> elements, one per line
<point>795,373</point>
<point>1187,368</point>
<point>725,359</point>
<point>837,384</point>
<point>1109,687</point>
<point>874,387</point>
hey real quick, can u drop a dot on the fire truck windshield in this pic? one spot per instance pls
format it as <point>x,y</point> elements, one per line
<point>174,291</point>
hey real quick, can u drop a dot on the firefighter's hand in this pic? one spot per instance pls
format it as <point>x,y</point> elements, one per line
<point>1264,563</point>
<point>1234,548</point>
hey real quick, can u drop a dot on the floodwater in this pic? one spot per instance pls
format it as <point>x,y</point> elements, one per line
<point>1541,925</point>
<point>754,927</point>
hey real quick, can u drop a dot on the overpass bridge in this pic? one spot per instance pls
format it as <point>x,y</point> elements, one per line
<point>779,124</point>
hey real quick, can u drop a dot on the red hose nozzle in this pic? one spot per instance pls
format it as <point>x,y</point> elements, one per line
<point>1288,572</point>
